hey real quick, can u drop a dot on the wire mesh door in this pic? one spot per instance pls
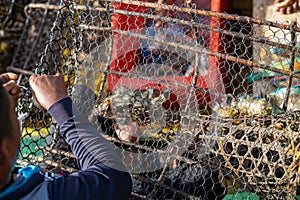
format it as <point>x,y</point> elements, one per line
<point>199,104</point>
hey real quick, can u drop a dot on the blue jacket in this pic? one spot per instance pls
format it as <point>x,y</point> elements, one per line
<point>102,174</point>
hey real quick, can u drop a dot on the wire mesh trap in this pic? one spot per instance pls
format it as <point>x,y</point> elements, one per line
<point>204,105</point>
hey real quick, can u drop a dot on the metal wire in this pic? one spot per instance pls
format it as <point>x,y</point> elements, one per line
<point>158,94</point>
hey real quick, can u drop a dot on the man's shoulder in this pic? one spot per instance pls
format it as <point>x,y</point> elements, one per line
<point>27,178</point>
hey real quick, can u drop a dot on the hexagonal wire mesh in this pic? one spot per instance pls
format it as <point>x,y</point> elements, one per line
<point>12,19</point>
<point>203,105</point>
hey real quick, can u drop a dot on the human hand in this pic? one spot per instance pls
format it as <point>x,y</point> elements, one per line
<point>48,89</point>
<point>9,83</point>
<point>160,12</point>
<point>158,22</point>
<point>286,6</point>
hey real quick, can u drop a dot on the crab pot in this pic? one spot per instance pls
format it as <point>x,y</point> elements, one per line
<point>156,112</point>
<point>262,152</point>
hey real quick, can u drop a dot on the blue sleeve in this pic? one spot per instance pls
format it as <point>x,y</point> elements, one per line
<point>102,174</point>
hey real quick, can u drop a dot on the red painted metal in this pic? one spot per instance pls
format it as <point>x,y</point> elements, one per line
<point>124,60</point>
<point>218,67</point>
